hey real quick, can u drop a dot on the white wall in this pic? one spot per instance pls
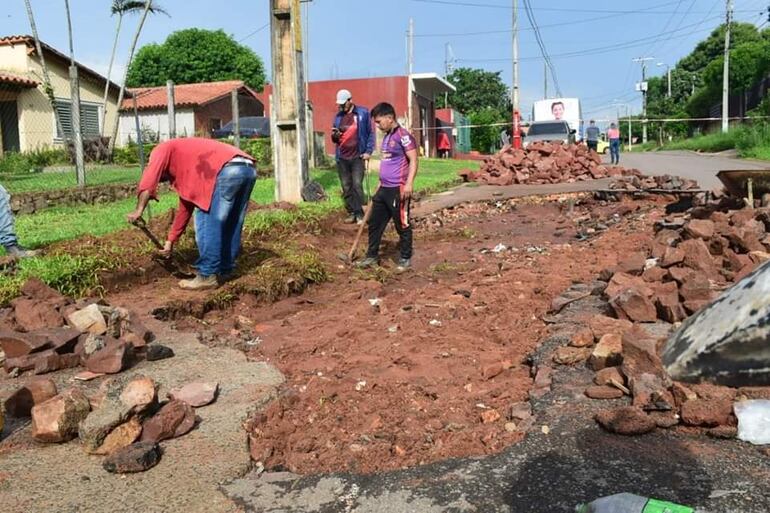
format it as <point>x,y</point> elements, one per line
<point>157,121</point>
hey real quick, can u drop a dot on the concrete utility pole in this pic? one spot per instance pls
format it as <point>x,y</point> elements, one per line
<point>643,88</point>
<point>726,71</point>
<point>515,82</point>
<point>288,117</point>
<point>668,75</point>
<point>171,109</point>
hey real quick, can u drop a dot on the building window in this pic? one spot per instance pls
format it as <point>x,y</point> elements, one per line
<point>89,119</point>
<point>214,124</point>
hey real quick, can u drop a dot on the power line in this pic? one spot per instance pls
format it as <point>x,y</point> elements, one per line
<point>263,27</point>
<point>556,9</point>
<point>665,27</point>
<point>602,49</point>
<point>551,25</point>
<point>541,44</point>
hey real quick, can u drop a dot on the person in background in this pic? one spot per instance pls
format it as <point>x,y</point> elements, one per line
<point>352,133</point>
<point>505,137</point>
<point>213,179</point>
<point>557,109</point>
<point>443,144</point>
<point>392,200</point>
<point>8,237</point>
<point>592,136</point>
<point>613,134</point>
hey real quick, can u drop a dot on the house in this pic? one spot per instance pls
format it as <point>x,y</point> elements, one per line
<point>27,120</point>
<point>459,126</point>
<point>199,109</point>
<point>418,94</point>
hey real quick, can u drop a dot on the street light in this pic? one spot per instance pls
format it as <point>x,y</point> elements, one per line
<point>668,73</point>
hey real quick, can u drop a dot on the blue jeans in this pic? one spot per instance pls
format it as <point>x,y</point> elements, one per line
<point>615,150</point>
<point>7,232</point>
<point>218,231</point>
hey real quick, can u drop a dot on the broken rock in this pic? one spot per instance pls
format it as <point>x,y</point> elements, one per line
<point>57,419</point>
<point>603,392</point>
<point>35,392</point>
<point>136,457</point>
<point>701,412</point>
<point>89,319</point>
<point>201,394</point>
<point>34,315</point>
<point>15,344</point>
<point>608,375</point>
<point>582,337</point>
<point>115,356</point>
<point>700,229</point>
<point>627,420</point>
<point>122,436</point>
<point>174,419</point>
<point>139,394</point>
<point>570,355</point>
<point>607,353</point>
<point>632,305</point>
<point>158,352</point>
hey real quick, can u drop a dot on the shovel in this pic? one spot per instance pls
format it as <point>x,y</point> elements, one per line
<point>169,263</point>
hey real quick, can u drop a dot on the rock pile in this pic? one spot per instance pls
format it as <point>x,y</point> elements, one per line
<point>543,163</point>
<point>693,257</point>
<point>639,182</point>
<point>44,331</point>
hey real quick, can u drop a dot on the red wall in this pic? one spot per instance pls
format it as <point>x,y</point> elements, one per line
<point>367,92</point>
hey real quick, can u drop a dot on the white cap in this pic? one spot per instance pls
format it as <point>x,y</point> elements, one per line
<point>343,95</point>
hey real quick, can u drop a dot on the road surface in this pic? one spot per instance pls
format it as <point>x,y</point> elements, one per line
<point>687,164</point>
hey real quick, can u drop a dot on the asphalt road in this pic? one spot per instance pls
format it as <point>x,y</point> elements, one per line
<point>687,164</point>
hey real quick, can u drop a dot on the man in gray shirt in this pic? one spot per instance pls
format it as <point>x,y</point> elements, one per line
<point>592,136</point>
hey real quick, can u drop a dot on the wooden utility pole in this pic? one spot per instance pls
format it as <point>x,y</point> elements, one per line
<point>288,116</point>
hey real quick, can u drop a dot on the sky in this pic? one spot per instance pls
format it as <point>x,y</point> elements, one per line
<point>591,44</point>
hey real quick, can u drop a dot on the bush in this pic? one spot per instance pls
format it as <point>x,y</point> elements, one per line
<point>45,157</point>
<point>129,155</point>
<point>260,149</point>
<point>13,163</point>
<point>747,138</point>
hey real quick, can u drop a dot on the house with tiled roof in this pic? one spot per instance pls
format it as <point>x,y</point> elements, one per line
<point>27,121</point>
<point>199,109</point>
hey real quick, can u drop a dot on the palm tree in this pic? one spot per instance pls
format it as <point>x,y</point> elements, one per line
<point>47,87</point>
<point>77,129</point>
<point>147,6</point>
<point>121,8</point>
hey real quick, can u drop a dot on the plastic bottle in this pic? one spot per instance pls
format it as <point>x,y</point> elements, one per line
<point>630,503</point>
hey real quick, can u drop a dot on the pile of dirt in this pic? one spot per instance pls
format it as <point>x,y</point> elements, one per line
<point>543,163</point>
<point>423,367</point>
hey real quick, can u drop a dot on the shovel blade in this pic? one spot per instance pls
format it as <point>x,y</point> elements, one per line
<point>727,342</point>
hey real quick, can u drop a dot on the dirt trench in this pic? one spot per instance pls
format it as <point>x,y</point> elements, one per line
<point>387,371</point>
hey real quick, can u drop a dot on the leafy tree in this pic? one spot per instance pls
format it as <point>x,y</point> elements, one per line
<point>477,91</point>
<point>713,46</point>
<point>485,138</point>
<point>195,55</point>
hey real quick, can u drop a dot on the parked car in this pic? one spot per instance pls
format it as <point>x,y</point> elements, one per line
<point>252,127</point>
<point>602,146</point>
<point>550,131</point>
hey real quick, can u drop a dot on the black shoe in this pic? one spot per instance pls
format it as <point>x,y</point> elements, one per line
<point>17,251</point>
<point>368,262</point>
<point>404,264</point>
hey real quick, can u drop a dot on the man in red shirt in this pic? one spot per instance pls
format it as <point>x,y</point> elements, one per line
<point>213,179</point>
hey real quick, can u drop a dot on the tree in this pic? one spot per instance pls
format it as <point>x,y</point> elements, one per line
<point>713,46</point>
<point>484,138</point>
<point>121,8</point>
<point>147,6</point>
<point>195,55</point>
<point>478,90</point>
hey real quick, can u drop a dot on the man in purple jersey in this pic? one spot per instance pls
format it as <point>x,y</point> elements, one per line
<point>398,167</point>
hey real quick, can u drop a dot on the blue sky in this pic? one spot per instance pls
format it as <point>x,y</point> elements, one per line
<point>592,44</point>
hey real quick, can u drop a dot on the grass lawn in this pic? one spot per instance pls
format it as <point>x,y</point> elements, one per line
<point>64,223</point>
<point>55,180</point>
<point>758,152</point>
<point>77,274</point>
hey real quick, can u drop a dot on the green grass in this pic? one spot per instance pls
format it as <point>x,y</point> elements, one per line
<point>77,274</point>
<point>710,143</point>
<point>56,180</point>
<point>758,152</point>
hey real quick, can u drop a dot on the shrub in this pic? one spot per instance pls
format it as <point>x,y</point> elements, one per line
<point>44,157</point>
<point>13,163</point>
<point>129,155</point>
<point>260,149</point>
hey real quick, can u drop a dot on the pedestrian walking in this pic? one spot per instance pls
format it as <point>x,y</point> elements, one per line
<point>592,136</point>
<point>352,133</point>
<point>212,179</point>
<point>613,134</point>
<point>392,200</point>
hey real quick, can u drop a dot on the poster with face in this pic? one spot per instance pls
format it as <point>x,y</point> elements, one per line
<point>559,109</point>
